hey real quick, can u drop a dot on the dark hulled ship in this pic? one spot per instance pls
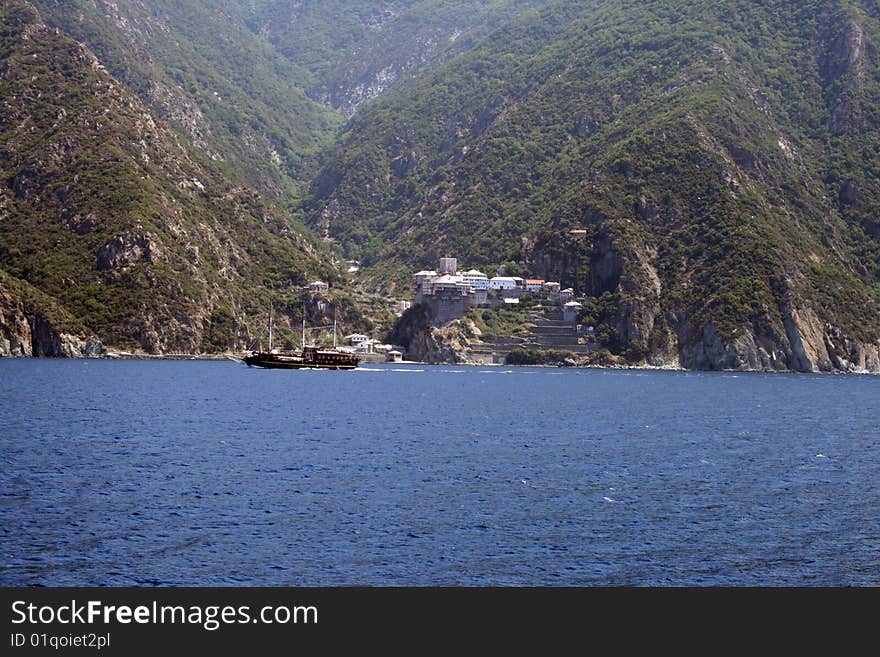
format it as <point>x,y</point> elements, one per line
<point>309,357</point>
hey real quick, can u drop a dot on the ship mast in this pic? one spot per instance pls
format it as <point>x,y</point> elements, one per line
<point>304,324</point>
<point>334,327</point>
<point>270,327</point>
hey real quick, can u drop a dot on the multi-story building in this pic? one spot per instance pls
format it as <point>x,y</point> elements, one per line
<point>423,283</point>
<point>448,294</point>
<point>476,279</point>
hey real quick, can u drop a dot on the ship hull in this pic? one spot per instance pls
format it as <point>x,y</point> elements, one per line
<point>319,361</point>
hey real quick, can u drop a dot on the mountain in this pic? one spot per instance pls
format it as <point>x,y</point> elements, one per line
<point>200,68</point>
<point>723,159</point>
<point>256,85</point>
<point>113,227</point>
<point>704,174</point>
<point>357,50</point>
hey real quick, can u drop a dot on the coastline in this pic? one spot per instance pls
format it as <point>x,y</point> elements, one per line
<point>236,358</point>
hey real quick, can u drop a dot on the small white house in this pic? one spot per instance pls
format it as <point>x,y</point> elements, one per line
<point>365,346</point>
<point>356,338</point>
<point>318,286</point>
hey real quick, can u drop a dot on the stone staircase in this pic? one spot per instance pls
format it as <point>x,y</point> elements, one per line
<point>550,331</point>
<point>494,351</point>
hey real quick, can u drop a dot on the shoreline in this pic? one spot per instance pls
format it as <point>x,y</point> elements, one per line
<point>123,355</point>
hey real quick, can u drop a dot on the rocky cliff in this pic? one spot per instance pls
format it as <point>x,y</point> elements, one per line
<point>26,329</point>
<point>427,343</point>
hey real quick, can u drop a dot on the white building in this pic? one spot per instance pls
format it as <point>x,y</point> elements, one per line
<point>451,282</point>
<point>476,279</point>
<point>423,282</point>
<point>551,287</point>
<point>318,286</point>
<point>365,346</point>
<point>502,283</point>
<point>356,338</point>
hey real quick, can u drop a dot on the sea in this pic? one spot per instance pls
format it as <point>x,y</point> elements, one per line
<point>210,473</point>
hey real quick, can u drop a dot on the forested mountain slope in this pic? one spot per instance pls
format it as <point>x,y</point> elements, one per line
<point>357,50</point>
<point>111,224</point>
<point>202,70</point>
<point>723,157</point>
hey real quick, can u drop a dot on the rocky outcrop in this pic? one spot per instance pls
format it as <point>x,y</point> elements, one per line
<point>424,342</point>
<point>801,344</point>
<point>817,346</point>
<point>125,250</point>
<point>47,342</point>
<point>705,349</point>
<point>25,332</point>
<point>15,331</point>
<point>844,70</point>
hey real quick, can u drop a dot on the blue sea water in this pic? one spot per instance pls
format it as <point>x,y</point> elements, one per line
<point>210,473</point>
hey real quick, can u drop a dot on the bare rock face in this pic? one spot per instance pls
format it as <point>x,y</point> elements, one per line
<point>845,63</point>
<point>24,332</point>
<point>125,250</point>
<point>706,350</point>
<point>425,342</point>
<point>818,347</point>
<point>805,344</point>
<point>15,331</point>
<point>49,343</point>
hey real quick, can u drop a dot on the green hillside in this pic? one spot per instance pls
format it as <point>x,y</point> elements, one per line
<point>109,221</point>
<point>356,50</point>
<point>252,84</point>
<point>724,159</point>
<point>198,65</point>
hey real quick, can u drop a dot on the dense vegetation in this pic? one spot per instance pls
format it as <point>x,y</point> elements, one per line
<point>538,357</point>
<point>199,66</point>
<point>355,50</point>
<point>250,82</point>
<point>723,159</point>
<point>107,220</point>
<point>703,173</point>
